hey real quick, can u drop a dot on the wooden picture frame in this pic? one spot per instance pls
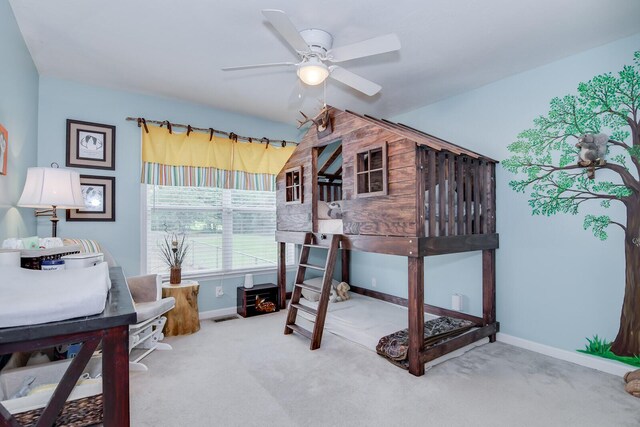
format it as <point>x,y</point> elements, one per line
<point>91,145</point>
<point>4,149</point>
<point>99,194</point>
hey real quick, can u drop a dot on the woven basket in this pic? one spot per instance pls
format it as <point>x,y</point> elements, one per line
<point>75,413</point>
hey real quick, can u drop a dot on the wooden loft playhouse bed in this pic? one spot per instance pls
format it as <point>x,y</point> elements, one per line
<point>401,192</point>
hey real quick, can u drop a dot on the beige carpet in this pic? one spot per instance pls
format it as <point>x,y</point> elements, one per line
<point>245,372</point>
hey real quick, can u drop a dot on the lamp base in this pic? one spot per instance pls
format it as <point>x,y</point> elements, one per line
<point>54,226</point>
<point>54,219</point>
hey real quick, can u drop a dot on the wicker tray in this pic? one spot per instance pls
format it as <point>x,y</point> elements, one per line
<point>76,413</point>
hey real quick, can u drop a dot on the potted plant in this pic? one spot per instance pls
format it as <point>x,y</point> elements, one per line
<point>174,249</point>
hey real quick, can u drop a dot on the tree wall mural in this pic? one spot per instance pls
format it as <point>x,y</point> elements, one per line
<point>559,182</point>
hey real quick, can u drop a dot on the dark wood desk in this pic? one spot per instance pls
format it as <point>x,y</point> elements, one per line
<point>111,326</point>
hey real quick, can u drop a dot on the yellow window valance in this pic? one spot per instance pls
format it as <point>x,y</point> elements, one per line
<point>196,150</point>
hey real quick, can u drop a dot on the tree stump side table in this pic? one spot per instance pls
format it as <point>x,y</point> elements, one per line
<point>184,318</point>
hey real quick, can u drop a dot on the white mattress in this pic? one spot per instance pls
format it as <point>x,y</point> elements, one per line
<point>30,297</point>
<point>365,320</point>
<point>330,226</point>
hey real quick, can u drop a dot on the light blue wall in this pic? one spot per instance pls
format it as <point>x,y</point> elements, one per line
<point>61,100</point>
<point>544,292</point>
<point>19,115</point>
<point>556,283</point>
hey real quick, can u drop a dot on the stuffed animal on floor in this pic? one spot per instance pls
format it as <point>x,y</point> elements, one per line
<point>633,383</point>
<point>343,291</point>
<point>339,292</point>
<point>593,148</point>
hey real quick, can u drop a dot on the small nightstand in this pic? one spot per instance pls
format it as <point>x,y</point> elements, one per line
<point>247,299</point>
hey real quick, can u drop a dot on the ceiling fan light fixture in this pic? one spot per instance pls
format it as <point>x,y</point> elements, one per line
<point>313,72</point>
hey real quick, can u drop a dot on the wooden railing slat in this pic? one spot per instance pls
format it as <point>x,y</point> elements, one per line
<point>431,186</point>
<point>451,185</point>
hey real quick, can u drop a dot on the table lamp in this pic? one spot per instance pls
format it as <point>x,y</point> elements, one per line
<point>51,188</point>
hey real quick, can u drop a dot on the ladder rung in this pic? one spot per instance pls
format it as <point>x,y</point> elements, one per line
<point>300,330</point>
<point>309,287</point>
<point>304,308</point>
<point>315,267</point>
<point>310,245</point>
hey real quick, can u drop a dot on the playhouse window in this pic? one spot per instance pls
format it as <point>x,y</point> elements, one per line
<point>293,185</point>
<point>371,171</point>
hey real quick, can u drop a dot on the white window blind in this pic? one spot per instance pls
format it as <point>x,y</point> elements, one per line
<point>227,230</point>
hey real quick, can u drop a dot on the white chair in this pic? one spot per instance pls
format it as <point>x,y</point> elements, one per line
<point>145,336</point>
<point>146,291</point>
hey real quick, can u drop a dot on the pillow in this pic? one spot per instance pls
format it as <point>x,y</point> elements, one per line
<point>87,246</point>
<point>335,210</point>
<point>316,281</point>
<point>323,210</point>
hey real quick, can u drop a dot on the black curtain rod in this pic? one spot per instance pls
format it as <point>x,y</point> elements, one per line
<point>142,122</point>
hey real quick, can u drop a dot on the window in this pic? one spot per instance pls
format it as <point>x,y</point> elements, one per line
<point>371,171</point>
<point>293,185</point>
<point>227,230</point>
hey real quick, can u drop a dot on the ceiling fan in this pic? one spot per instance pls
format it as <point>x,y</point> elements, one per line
<point>314,49</point>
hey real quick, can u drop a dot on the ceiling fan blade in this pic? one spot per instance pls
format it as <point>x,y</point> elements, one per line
<point>287,30</point>
<point>355,81</point>
<point>374,46</point>
<point>270,64</point>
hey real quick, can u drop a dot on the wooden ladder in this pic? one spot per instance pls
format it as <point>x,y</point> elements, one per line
<point>324,291</point>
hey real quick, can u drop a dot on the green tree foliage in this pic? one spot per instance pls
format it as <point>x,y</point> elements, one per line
<point>547,156</point>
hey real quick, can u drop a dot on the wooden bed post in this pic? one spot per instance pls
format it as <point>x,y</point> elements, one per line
<point>489,289</point>
<point>282,273</point>
<point>345,264</point>
<point>416,315</point>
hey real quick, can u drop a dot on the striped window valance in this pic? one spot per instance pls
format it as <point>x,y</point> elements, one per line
<point>199,160</point>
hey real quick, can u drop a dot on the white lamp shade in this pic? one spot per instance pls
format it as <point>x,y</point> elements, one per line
<point>47,187</point>
<point>313,72</point>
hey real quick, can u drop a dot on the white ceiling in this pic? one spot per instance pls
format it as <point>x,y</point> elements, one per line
<point>176,48</point>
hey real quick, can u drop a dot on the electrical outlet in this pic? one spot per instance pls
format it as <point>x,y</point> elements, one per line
<point>374,282</point>
<point>219,291</point>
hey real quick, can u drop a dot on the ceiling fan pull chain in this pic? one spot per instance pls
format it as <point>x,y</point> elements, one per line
<point>324,94</point>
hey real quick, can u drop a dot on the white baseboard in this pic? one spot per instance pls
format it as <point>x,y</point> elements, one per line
<point>593,362</point>
<point>221,312</point>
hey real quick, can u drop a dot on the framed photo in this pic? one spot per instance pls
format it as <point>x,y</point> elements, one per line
<point>99,193</point>
<point>91,145</point>
<point>4,148</point>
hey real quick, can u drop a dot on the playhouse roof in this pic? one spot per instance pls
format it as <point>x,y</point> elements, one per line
<point>422,138</point>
